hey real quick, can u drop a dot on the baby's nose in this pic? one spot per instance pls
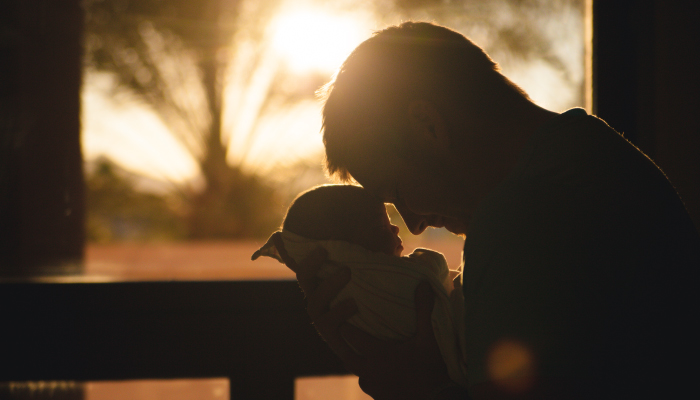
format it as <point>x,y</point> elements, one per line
<point>394,228</point>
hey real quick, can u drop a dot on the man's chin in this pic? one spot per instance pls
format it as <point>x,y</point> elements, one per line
<point>456,227</point>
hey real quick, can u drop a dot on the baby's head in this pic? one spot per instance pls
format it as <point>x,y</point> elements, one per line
<point>343,212</point>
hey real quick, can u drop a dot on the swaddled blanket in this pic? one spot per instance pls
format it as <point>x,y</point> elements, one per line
<point>383,286</point>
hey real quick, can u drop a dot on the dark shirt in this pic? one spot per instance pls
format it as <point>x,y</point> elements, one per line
<point>581,265</point>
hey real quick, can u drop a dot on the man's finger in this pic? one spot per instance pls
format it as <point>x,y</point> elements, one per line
<point>363,342</point>
<point>335,317</point>
<point>328,326</point>
<point>319,300</point>
<point>308,268</point>
<point>354,362</point>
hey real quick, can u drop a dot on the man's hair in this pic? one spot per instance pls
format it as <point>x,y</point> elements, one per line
<point>368,96</point>
<point>329,212</point>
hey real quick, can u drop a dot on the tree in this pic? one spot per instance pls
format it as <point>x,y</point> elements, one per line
<point>118,211</point>
<point>174,56</point>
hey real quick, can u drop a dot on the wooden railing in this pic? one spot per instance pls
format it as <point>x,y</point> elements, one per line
<point>256,333</point>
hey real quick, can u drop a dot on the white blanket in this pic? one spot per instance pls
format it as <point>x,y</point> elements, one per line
<point>383,287</point>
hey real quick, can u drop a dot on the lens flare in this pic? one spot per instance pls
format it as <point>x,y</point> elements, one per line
<point>511,366</point>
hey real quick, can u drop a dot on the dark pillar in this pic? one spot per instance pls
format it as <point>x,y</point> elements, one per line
<point>646,84</point>
<point>677,94</point>
<point>623,64</point>
<point>41,181</point>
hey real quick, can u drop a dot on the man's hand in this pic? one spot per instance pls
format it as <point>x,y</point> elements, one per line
<point>319,296</point>
<point>413,369</point>
<point>408,370</point>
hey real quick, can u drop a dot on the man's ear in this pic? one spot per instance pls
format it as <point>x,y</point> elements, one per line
<point>425,118</point>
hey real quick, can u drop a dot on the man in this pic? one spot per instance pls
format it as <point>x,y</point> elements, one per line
<point>578,252</point>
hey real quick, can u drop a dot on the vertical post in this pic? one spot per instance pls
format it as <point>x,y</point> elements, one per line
<point>623,67</point>
<point>676,87</point>
<point>646,84</point>
<point>41,181</point>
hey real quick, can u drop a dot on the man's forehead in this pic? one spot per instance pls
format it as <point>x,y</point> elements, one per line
<point>376,174</point>
<point>377,184</point>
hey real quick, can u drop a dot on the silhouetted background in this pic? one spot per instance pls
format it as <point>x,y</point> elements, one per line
<point>229,87</point>
<point>646,85</point>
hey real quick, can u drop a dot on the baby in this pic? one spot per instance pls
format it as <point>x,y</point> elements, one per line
<point>354,228</point>
<point>342,212</point>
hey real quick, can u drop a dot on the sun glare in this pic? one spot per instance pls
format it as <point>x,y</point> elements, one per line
<point>316,40</point>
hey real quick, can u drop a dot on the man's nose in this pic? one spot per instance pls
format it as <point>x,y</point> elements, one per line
<point>416,223</point>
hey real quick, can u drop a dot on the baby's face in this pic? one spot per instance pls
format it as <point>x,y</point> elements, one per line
<point>377,233</point>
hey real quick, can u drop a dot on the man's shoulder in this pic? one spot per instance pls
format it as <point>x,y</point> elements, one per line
<point>579,166</point>
<point>581,145</point>
<point>582,256</point>
<point>584,199</point>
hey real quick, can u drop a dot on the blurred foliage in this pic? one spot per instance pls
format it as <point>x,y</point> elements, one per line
<point>117,211</point>
<point>174,56</point>
<point>245,207</point>
<point>121,207</point>
<point>192,61</point>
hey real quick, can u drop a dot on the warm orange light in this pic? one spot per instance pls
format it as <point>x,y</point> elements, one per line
<point>316,40</point>
<point>511,366</point>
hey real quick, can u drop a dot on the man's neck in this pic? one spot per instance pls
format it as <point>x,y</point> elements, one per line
<point>514,128</point>
<point>492,146</point>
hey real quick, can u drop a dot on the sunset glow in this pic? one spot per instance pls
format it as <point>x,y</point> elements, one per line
<point>294,47</point>
<point>316,40</point>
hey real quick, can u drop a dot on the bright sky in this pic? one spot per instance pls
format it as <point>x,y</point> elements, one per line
<point>313,39</point>
<point>302,37</point>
